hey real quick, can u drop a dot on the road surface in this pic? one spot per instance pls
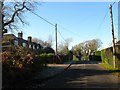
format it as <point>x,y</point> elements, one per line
<point>83,74</point>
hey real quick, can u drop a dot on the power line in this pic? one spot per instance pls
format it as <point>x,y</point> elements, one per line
<point>71,31</point>
<point>102,22</point>
<point>67,29</point>
<point>105,17</point>
<point>114,3</point>
<point>62,36</point>
<point>40,17</point>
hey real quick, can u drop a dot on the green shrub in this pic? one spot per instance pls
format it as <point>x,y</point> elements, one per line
<point>107,56</point>
<point>47,58</point>
<point>98,53</point>
<point>96,56</point>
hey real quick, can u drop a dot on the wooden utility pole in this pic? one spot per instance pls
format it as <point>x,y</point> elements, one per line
<point>113,38</point>
<point>1,3</point>
<point>56,39</point>
<point>1,25</point>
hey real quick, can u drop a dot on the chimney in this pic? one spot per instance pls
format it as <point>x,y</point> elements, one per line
<point>20,35</point>
<point>29,39</point>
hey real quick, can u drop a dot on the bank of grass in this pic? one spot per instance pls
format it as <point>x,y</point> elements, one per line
<point>111,69</point>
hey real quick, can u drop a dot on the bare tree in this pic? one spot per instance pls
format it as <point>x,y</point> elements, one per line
<point>43,43</point>
<point>13,13</point>
<point>63,46</point>
<point>87,47</point>
<point>50,41</point>
<point>95,44</point>
<point>38,41</point>
<point>68,41</point>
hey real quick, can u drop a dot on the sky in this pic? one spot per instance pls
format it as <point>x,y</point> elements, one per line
<point>78,21</point>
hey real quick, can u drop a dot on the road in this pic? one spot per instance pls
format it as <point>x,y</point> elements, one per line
<point>84,74</point>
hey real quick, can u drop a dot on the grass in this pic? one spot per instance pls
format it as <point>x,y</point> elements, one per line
<point>111,69</point>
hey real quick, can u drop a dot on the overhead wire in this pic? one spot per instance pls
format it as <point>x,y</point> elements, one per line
<point>68,29</point>
<point>103,20</point>
<point>114,2</point>
<point>40,17</point>
<point>71,31</point>
<point>61,36</point>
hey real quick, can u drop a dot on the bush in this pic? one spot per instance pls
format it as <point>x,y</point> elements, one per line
<point>18,64</point>
<point>107,56</point>
<point>47,58</point>
<point>94,58</point>
<point>51,58</point>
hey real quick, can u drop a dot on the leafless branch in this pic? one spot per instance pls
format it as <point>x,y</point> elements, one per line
<point>14,14</point>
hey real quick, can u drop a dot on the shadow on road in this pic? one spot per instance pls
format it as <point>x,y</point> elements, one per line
<point>89,77</point>
<point>86,62</point>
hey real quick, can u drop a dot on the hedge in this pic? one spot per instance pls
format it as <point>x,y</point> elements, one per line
<point>52,58</point>
<point>107,56</point>
<point>96,56</point>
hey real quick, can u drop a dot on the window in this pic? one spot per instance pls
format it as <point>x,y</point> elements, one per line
<point>37,47</point>
<point>33,46</point>
<point>24,44</point>
<point>30,46</point>
<point>15,42</point>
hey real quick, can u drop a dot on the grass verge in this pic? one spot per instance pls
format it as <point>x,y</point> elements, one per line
<point>111,69</point>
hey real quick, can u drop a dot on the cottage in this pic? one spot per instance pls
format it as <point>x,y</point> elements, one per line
<point>11,40</point>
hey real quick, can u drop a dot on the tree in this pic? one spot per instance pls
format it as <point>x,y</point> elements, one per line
<point>63,46</point>
<point>50,41</point>
<point>87,47</point>
<point>48,50</point>
<point>94,45</point>
<point>68,41</point>
<point>13,13</point>
<point>46,46</point>
<point>39,41</point>
<point>43,43</point>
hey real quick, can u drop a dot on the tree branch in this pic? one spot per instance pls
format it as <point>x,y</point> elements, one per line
<point>20,19</point>
<point>14,14</point>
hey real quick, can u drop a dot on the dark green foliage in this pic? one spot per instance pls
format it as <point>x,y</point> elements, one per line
<point>96,56</point>
<point>52,58</point>
<point>48,50</point>
<point>70,55</point>
<point>107,56</point>
<point>98,53</point>
<point>47,58</point>
<point>63,58</point>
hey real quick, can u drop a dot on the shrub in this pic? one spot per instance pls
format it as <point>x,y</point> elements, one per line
<point>47,58</point>
<point>107,56</point>
<point>18,64</point>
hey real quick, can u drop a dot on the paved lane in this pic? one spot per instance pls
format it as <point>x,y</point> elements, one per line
<point>84,75</point>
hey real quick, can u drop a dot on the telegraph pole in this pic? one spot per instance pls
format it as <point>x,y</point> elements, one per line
<point>1,4</point>
<point>56,39</point>
<point>113,37</point>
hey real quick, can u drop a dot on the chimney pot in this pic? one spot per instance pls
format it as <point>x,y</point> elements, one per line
<point>30,39</point>
<point>20,35</point>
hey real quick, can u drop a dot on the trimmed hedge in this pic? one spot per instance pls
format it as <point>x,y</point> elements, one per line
<point>47,58</point>
<point>107,56</point>
<point>96,56</point>
<point>52,58</point>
